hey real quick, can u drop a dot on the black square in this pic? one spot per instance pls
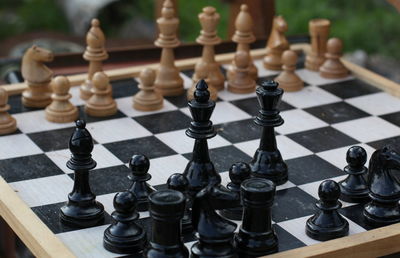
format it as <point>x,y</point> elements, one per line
<point>292,203</point>
<point>16,106</point>
<point>189,73</point>
<point>164,122</point>
<point>286,240</point>
<point>355,213</point>
<point>239,131</point>
<point>336,112</point>
<point>52,140</point>
<point>350,88</point>
<point>322,139</point>
<point>224,157</point>
<point>251,106</point>
<point>149,146</point>
<point>50,215</point>
<point>179,101</point>
<point>91,119</point>
<point>393,118</point>
<point>124,88</point>
<point>28,167</point>
<point>393,141</point>
<point>310,169</point>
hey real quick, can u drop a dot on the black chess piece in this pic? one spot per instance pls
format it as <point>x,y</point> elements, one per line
<point>215,233</point>
<point>200,170</point>
<point>166,210</point>
<point>327,223</point>
<point>82,210</point>
<point>139,165</point>
<point>267,161</point>
<point>238,172</point>
<point>354,188</point>
<point>384,188</point>
<point>256,236</point>
<point>124,236</point>
<point>179,182</point>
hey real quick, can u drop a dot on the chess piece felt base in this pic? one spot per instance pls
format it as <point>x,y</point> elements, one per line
<point>333,70</point>
<point>290,82</point>
<point>101,111</point>
<point>378,214</point>
<point>211,89</point>
<point>269,165</point>
<point>41,98</point>
<point>85,91</point>
<point>55,116</point>
<point>82,217</point>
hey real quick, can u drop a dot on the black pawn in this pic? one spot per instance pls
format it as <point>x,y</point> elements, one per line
<point>124,236</point>
<point>139,165</point>
<point>238,172</point>
<point>178,182</point>
<point>327,223</point>
<point>267,161</point>
<point>256,236</point>
<point>166,210</point>
<point>82,210</point>
<point>354,188</point>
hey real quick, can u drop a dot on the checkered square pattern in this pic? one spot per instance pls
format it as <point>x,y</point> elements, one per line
<point>321,122</point>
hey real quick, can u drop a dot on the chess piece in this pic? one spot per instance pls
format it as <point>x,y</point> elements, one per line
<point>267,161</point>
<point>37,76</point>
<point>256,237</point>
<point>276,45</point>
<point>288,80</point>
<point>95,54</point>
<point>168,81</point>
<point>327,223</point>
<point>101,103</point>
<point>333,68</point>
<point>354,188</point>
<point>139,165</point>
<point>384,188</point>
<point>243,37</point>
<point>166,210</point>
<point>82,210</point>
<point>200,171</point>
<point>124,235</point>
<point>209,19</point>
<point>319,32</point>
<point>147,99</point>
<point>202,72</point>
<point>241,81</point>
<point>8,123</point>
<point>61,109</point>
<point>178,182</point>
<point>215,233</point>
<point>238,172</point>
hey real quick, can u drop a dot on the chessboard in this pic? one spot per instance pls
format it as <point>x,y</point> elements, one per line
<point>321,122</point>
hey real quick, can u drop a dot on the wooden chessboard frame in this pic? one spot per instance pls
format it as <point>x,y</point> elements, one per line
<point>43,243</point>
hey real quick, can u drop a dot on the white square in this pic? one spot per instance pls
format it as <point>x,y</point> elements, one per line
<point>45,190</point>
<point>313,78</point>
<point>376,104</point>
<point>179,142</point>
<point>162,168</point>
<point>224,112</point>
<point>103,157</point>
<point>337,157</point>
<point>262,72</point>
<point>298,120</point>
<point>229,96</point>
<point>16,146</point>
<point>35,121</point>
<point>309,97</point>
<point>117,130</point>
<point>76,99</point>
<point>125,106</point>
<point>368,129</point>
<point>187,81</point>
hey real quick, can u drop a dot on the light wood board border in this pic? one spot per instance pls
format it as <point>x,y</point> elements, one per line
<point>43,243</point>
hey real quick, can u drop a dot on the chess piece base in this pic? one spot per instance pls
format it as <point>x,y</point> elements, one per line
<point>102,111</point>
<point>323,234</point>
<point>257,245</point>
<point>61,117</point>
<point>172,88</point>
<point>269,165</point>
<point>333,72</point>
<point>353,196</point>
<point>272,62</point>
<point>76,216</point>
<point>39,99</point>
<point>382,215</point>
<point>290,82</point>
<point>85,90</point>
<point>240,89</point>
<point>124,245</point>
<point>230,73</point>
<point>8,127</point>
<point>144,103</point>
<point>313,63</point>
<point>220,250</point>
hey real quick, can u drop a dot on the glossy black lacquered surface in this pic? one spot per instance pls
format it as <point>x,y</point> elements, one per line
<point>82,210</point>
<point>267,161</point>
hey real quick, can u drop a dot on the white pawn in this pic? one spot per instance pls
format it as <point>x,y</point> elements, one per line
<point>61,109</point>
<point>7,122</point>
<point>147,99</point>
<point>288,79</point>
<point>101,103</point>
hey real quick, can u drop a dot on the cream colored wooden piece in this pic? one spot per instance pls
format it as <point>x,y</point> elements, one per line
<point>242,82</point>
<point>61,109</point>
<point>209,19</point>
<point>276,45</point>
<point>37,76</point>
<point>101,103</point>
<point>333,68</point>
<point>288,79</point>
<point>202,72</point>
<point>168,81</point>
<point>319,32</point>
<point>95,54</point>
<point>147,99</point>
<point>8,123</point>
<point>243,37</point>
